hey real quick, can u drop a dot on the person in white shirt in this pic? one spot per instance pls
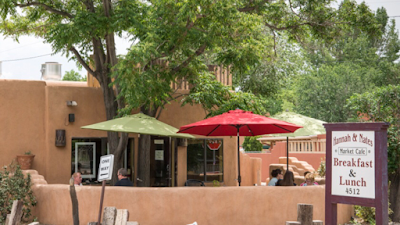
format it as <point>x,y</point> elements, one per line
<point>77,178</point>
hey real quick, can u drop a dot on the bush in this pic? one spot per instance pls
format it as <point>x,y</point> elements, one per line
<point>251,144</point>
<point>322,168</point>
<point>365,215</point>
<point>14,186</point>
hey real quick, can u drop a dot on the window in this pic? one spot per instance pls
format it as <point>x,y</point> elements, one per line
<point>86,153</point>
<point>85,159</point>
<point>205,159</point>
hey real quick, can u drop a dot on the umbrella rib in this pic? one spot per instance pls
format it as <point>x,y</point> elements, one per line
<point>250,130</point>
<point>213,130</point>
<point>283,128</point>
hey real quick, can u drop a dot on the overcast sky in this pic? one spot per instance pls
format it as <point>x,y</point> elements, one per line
<point>23,60</point>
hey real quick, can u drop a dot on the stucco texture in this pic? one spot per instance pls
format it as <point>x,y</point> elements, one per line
<point>184,205</point>
<point>32,111</point>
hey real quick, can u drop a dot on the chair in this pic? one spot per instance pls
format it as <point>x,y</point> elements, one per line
<point>192,182</point>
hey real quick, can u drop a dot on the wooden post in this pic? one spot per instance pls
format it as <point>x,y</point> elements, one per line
<point>122,217</point>
<point>75,206</point>
<point>101,201</point>
<point>132,223</point>
<point>305,214</point>
<point>16,212</point>
<point>109,215</point>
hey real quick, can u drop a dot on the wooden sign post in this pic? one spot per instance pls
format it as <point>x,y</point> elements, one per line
<point>356,168</point>
<point>105,173</point>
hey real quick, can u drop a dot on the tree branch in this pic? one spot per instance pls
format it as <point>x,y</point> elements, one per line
<point>48,8</point>
<point>190,58</point>
<point>81,61</point>
<point>99,56</point>
<point>253,8</point>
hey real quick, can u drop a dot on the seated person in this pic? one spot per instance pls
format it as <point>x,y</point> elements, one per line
<point>76,179</point>
<point>276,175</point>
<point>123,179</point>
<point>310,179</point>
<point>288,180</point>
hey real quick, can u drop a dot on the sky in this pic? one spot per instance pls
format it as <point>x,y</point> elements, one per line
<point>22,60</point>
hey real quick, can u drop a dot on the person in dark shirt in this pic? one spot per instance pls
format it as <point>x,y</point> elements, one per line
<point>288,180</point>
<point>123,179</point>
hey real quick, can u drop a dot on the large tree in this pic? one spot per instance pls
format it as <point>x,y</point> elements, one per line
<point>382,104</point>
<point>175,40</point>
<point>355,63</point>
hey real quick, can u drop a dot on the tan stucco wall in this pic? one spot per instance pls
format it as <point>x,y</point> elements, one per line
<point>183,205</point>
<point>22,122</point>
<point>32,111</point>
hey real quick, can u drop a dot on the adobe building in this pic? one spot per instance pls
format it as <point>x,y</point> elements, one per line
<point>45,117</point>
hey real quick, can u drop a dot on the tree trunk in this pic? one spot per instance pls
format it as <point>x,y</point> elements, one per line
<point>144,153</point>
<point>117,145</point>
<point>144,161</point>
<point>394,195</point>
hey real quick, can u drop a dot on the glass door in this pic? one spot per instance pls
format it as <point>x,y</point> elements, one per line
<point>160,161</point>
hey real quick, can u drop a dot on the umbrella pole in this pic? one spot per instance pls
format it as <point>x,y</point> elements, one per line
<point>239,178</point>
<point>287,153</point>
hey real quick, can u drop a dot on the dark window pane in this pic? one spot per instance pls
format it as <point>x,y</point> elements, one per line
<point>205,154</point>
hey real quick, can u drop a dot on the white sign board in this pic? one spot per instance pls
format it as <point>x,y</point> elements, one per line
<point>105,167</point>
<point>353,164</point>
<point>159,155</point>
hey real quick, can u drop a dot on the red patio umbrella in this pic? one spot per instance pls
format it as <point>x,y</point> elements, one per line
<point>241,123</point>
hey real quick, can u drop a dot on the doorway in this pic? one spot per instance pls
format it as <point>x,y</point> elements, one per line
<point>160,162</point>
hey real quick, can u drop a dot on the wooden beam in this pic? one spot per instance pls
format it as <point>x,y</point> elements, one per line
<point>16,212</point>
<point>305,214</point>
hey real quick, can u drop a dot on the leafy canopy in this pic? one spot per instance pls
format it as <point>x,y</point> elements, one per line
<point>72,75</point>
<point>381,105</point>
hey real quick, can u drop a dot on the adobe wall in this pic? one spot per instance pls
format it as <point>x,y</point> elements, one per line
<point>22,122</point>
<point>272,157</point>
<point>183,205</point>
<point>32,111</point>
<point>279,150</point>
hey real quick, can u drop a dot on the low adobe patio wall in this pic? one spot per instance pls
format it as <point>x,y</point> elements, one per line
<point>183,205</point>
<point>279,150</point>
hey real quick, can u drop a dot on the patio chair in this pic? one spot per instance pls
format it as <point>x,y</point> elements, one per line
<point>192,182</point>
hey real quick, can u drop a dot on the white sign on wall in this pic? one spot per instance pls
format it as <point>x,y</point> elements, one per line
<point>353,164</point>
<point>105,167</point>
<point>159,155</point>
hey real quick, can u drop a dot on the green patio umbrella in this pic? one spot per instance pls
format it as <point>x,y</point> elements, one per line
<point>310,126</point>
<point>138,123</point>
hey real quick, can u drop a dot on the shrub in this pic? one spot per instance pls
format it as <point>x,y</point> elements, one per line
<point>251,144</point>
<point>14,186</point>
<point>322,168</point>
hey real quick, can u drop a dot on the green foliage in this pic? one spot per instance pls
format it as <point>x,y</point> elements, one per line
<point>322,168</point>
<point>28,153</point>
<point>323,93</point>
<point>14,186</point>
<point>216,98</point>
<point>358,61</point>
<point>366,214</point>
<point>381,104</point>
<point>72,75</point>
<point>251,144</point>
<point>216,183</point>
